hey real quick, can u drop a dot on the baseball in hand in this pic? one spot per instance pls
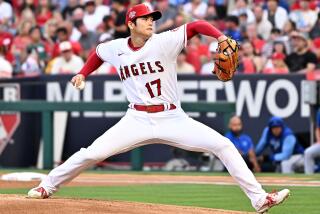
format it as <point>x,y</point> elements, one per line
<point>81,86</point>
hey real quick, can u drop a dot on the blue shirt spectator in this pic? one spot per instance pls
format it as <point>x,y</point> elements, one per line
<point>285,148</point>
<point>243,143</point>
<point>232,28</point>
<point>280,139</point>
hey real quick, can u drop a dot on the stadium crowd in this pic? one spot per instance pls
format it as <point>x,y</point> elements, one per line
<point>55,37</point>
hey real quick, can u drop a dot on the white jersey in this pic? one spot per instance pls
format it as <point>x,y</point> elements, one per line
<point>149,74</point>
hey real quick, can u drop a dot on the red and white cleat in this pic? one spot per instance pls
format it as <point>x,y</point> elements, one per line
<point>273,199</point>
<point>38,193</point>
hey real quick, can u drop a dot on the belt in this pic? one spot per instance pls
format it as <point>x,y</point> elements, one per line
<point>153,108</point>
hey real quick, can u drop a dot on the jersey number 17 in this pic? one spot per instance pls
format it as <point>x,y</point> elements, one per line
<point>154,83</point>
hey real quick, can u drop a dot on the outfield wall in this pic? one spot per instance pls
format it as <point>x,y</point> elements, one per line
<point>257,98</point>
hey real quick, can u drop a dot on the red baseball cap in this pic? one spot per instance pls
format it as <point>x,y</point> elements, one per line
<point>141,10</point>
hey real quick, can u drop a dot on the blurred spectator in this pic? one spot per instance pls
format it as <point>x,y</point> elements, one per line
<point>285,4</point>
<point>285,149</point>
<point>277,64</point>
<point>6,39</point>
<point>275,14</point>
<point>197,52</point>
<point>50,31</point>
<point>252,36</point>
<point>264,26</point>
<point>5,68</point>
<point>21,42</point>
<point>196,8</point>
<point>27,15</point>
<point>208,67</point>
<point>177,3</point>
<point>178,162</point>
<point>304,17</point>
<point>121,30</point>
<point>87,40</point>
<point>243,8</point>
<point>288,28</point>
<point>106,30</point>
<point>295,4</point>
<point>67,12</point>
<point>221,8</point>
<point>37,45</point>
<point>243,22</point>
<point>63,35</point>
<point>29,4</point>
<point>249,60</point>
<point>179,20</point>
<point>301,59</point>
<point>279,47</point>
<point>77,16</point>
<point>243,143</point>
<point>168,15</point>
<point>316,50</point>
<point>67,62</point>
<point>313,152</point>
<point>211,11</point>
<point>43,12</point>
<point>31,66</point>
<point>268,46</point>
<point>232,28</point>
<point>183,67</point>
<point>6,13</point>
<point>315,31</point>
<point>215,21</point>
<point>94,14</point>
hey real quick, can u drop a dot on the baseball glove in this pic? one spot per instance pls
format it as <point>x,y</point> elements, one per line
<point>226,62</point>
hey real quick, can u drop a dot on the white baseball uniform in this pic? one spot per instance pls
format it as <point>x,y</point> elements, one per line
<point>149,78</point>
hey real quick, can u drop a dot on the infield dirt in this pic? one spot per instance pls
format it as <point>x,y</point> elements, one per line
<point>20,204</point>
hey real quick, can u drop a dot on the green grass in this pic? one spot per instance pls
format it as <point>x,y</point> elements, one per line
<point>297,175</point>
<point>303,200</point>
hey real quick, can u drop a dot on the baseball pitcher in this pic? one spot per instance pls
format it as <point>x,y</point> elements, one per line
<point>146,64</point>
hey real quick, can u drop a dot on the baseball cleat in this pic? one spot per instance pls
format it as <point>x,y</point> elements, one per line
<point>38,193</point>
<point>273,199</point>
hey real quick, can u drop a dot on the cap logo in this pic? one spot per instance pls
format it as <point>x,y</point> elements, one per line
<point>132,14</point>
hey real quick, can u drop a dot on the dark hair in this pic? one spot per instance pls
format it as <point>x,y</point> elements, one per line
<point>90,3</point>
<point>293,24</point>
<point>233,19</point>
<point>122,2</point>
<point>34,28</point>
<point>275,30</point>
<point>246,1</point>
<point>62,30</point>
<point>78,23</point>
<point>106,18</point>
<point>282,43</point>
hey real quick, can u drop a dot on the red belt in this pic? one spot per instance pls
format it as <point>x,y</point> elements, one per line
<point>152,108</point>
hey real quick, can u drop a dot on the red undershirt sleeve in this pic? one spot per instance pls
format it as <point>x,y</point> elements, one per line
<point>93,63</point>
<point>202,27</point>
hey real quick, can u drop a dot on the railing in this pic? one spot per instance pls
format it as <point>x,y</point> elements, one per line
<point>47,108</point>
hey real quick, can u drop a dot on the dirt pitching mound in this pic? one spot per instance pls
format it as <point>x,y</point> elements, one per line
<point>20,204</point>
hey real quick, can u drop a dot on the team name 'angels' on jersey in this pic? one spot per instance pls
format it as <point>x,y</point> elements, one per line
<point>149,74</point>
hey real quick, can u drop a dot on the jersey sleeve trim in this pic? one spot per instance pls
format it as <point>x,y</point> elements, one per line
<point>185,36</point>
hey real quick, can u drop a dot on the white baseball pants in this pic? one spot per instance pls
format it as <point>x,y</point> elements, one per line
<point>288,166</point>
<point>173,127</point>
<point>310,154</point>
